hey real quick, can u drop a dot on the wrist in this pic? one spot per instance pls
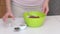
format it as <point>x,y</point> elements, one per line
<point>46,2</point>
<point>9,12</point>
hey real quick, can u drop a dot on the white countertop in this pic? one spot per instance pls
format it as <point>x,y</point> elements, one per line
<point>51,26</point>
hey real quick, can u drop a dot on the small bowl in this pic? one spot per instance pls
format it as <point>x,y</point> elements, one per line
<point>34,22</point>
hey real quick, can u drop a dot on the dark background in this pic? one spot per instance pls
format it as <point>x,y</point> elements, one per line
<point>54,6</point>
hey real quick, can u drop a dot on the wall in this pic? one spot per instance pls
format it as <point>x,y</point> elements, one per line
<point>2,8</point>
<point>54,7</point>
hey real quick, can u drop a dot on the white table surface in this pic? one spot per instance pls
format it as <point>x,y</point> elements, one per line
<point>51,26</point>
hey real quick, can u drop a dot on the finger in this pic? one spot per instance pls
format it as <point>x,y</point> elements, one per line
<point>44,9</point>
<point>47,9</point>
<point>12,16</point>
<point>5,19</point>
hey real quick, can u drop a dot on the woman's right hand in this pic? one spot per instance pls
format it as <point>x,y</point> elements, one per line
<point>5,17</point>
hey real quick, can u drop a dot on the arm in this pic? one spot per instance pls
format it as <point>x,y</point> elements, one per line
<point>47,1</point>
<point>8,5</point>
<point>8,13</point>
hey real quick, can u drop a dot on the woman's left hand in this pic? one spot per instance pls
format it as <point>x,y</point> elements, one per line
<point>45,8</point>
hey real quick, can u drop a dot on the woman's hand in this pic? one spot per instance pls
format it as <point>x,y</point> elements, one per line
<point>9,11</point>
<point>45,8</point>
<point>5,17</point>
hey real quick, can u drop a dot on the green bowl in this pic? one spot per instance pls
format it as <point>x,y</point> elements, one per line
<point>34,22</point>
